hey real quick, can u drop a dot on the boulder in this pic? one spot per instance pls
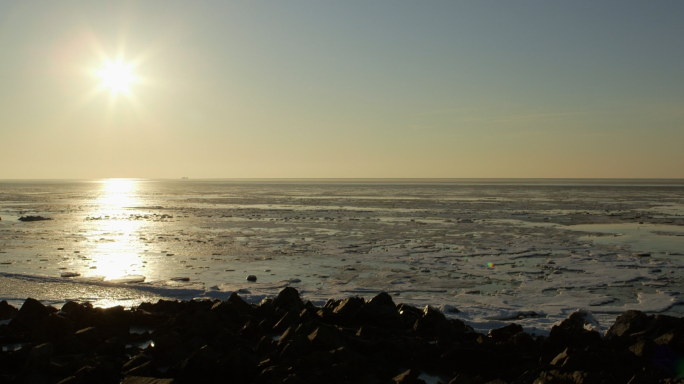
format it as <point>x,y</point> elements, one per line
<point>348,308</point>
<point>573,331</point>
<point>31,317</point>
<point>379,311</point>
<point>146,380</point>
<point>408,377</point>
<point>59,327</point>
<point>628,323</point>
<point>39,358</point>
<point>433,323</point>
<point>503,334</point>
<point>7,311</point>
<point>288,300</point>
<point>326,338</point>
<point>89,336</point>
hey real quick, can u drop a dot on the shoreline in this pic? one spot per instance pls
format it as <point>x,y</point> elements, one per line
<point>284,339</point>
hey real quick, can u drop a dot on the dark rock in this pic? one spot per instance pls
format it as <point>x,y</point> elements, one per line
<point>561,358</point>
<point>326,338</point>
<point>141,317</point>
<point>288,300</point>
<point>462,379</point>
<point>348,307</point>
<point>7,311</point>
<point>112,347</point>
<point>136,361</point>
<point>251,330</point>
<point>410,314</point>
<point>628,323</point>
<point>89,336</point>
<point>571,332</point>
<point>380,311</point>
<point>59,327</point>
<point>345,341</point>
<point>234,309</point>
<point>555,376</point>
<point>409,377</point>
<point>202,366</point>
<point>645,348</point>
<point>39,359</point>
<point>505,333</point>
<point>62,366</point>
<point>369,332</point>
<point>433,324</point>
<point>146,380</point>
<point>34,218</point>
<point>240,366</point>
<point>289,319</point>
<point>240,305</point>
<point>144,369</point>
<point>75,311</point>
<point>522,342</point>
<point>31,317</point>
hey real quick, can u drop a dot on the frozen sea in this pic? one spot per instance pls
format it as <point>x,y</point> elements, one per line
<point>489,252</point>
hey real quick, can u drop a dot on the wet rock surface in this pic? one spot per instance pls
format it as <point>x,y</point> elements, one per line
<point>286,340</point>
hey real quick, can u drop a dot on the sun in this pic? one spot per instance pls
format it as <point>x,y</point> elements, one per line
<point>117,76</point>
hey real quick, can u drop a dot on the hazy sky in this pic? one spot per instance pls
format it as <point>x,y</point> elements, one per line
<point>343,89</point>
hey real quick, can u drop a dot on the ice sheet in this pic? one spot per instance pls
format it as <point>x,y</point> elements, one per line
<point>499,253</point>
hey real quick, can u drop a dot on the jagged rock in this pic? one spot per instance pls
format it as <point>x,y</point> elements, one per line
<point>561,358</point>
<point>288,319</point>
<point>62,366</point>
<point>347,340</point>
<point>462,379</point>
<point>409,377</point>
<point>572,331</point>
<point>380,310</point>
<point>557,377</point>
<point>234,309</point>
<point>90,336</point>
<point>59,327</point>
<point>348,308</point>
<point>645,348</point>
<point>7,311</point>
<point>39,359</point>
<point>146,380</point>
<point>326,338</point>
<point>144,369</point>
<point>143,318</point>
<point>505,333</point>
<point>31,317</point>
<point>433,323</point>
<point>628,323</point>
<point>522,341</point>
<point>288,300</point>
<point>136,361</point>
<point>202,366</point>
<point>251,330</point>
<point>114,346</point>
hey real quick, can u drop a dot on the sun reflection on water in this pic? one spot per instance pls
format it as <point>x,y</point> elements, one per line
<point>116,234</point>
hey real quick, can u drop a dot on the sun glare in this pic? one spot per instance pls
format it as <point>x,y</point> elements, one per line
<point>117,77</point>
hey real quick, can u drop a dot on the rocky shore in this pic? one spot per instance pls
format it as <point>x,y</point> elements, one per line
<point>285,340</point>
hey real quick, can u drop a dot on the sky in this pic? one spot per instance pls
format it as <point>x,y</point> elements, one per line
<point>347,89</point>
